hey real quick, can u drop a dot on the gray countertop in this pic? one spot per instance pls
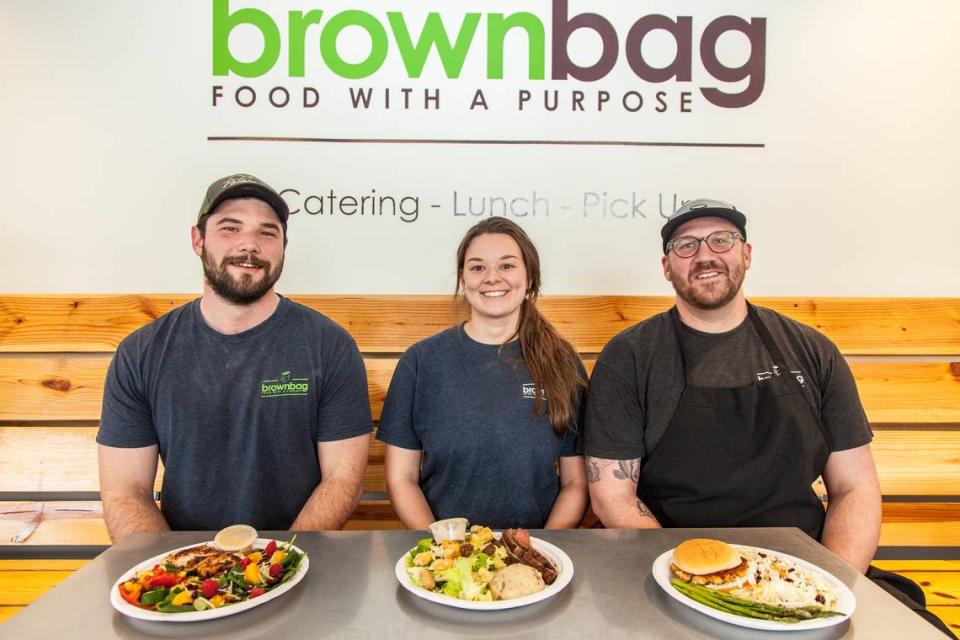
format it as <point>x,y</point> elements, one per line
<point>350,591</point>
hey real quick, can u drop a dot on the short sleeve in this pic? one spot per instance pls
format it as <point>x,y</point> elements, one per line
<point>613,420</point>
<point>126,419</point>
<point>568,445</point>
<point>344,403</point>
<point>397,421</point>
<point>841,411</point>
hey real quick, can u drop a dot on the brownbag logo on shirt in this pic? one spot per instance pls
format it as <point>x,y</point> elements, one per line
<point>284,385</point>
<point>529,390</point>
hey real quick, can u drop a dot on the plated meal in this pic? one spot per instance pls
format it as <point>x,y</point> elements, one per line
<point>232,573</point>
<point>752,587</point>
<point>478,569</point>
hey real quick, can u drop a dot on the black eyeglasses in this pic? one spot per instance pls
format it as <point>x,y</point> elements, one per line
<point>718,241</point>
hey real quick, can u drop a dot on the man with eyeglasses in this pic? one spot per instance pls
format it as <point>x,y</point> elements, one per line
<point>718,413</point>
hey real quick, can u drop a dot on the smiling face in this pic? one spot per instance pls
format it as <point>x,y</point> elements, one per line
<point>242,250</point>
<point>494,277</point>
<point>707,280</point>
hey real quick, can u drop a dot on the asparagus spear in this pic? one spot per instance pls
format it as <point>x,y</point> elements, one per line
<point>739,606</point>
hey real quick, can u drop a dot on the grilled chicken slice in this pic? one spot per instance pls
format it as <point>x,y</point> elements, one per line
<point>219,563</point>
<point>187,559</point>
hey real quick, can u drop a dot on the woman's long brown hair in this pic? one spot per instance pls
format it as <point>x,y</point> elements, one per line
<point>551,359</point>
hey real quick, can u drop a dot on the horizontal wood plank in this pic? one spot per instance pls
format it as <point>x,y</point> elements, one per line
<point>900,392</point>
<point>23,587</point>
<point>38,458</point>
<point>42,564</point>
<point>64,459</point>
<point>922,513</point>
<point>390,323</point>
<point>87,528</point>
<point>917,565</point>
<point>918,461</point>
<point>940,587</point>
<point>72,389</point>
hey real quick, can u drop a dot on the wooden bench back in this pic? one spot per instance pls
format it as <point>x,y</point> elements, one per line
<point>55,349</point>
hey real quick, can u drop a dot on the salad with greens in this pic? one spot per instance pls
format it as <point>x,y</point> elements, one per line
<point>460,569</point>
<point>204,577</point>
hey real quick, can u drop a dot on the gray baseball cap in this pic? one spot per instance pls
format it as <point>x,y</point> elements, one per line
<point>701,208</point>
<point>243,185</point>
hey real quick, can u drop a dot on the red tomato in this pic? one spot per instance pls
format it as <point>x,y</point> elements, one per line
<point>164,580</point>
<point>259,591</point>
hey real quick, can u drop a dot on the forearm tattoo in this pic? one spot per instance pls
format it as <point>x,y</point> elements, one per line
<point>623,469</point>
<point>642,508</point>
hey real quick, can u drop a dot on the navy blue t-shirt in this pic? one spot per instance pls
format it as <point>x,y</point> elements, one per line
<point>237,417</point>
<point>470,408</point>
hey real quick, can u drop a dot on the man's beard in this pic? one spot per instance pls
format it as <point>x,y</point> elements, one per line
<point>245,289</point>
<point>712,296</point>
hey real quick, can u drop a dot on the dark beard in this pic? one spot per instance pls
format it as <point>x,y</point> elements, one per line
<point>245,290</point>
<point>713,299</point>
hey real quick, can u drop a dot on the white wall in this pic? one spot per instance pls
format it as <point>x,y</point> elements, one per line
<point>107,111</point>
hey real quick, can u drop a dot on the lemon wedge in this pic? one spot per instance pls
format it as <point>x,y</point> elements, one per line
<point>237,538</point>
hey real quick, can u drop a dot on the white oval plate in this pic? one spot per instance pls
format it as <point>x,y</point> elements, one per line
<point>553,553</point>
<point>128,609</point>
<point>846,601</point>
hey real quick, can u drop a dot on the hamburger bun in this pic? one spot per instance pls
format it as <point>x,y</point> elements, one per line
<point>704,561</point>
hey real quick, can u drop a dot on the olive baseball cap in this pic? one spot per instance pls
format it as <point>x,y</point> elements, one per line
<point>243,185</point>
<point>701,208</point>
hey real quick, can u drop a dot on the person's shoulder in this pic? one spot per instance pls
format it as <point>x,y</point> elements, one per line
<point>314,321</point>
<point>438,345</point>
<point>432,353</point>
<point>156,331</point>
<point>641,338</point>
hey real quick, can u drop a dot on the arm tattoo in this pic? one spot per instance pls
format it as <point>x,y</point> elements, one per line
<point>628,470</point>
<point>593,470</point>
<point>624,470</point>
<point>642,508</point>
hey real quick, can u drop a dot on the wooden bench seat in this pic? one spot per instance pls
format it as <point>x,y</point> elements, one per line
<point>55,349</point>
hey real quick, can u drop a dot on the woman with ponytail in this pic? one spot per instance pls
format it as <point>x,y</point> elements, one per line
<point>480,418</point>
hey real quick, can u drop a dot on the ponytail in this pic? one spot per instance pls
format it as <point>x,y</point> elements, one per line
<point>554,366</point>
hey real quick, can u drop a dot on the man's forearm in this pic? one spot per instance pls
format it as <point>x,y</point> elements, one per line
<point>625,513</point>
<point>329,506</point>
<point>132,514</point>
<point>852,528</point>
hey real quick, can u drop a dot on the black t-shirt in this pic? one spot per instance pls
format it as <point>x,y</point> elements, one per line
<point>237,417</point>
<point>638,379</point>
<point>470,408</point>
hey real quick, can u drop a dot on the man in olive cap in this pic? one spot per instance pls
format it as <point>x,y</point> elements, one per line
<point>718,413</point>
<point>256,405</point>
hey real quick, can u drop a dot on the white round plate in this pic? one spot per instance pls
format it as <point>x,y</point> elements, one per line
<point>560,560</point>
<point>128,609</point>
<point>846,602</point>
